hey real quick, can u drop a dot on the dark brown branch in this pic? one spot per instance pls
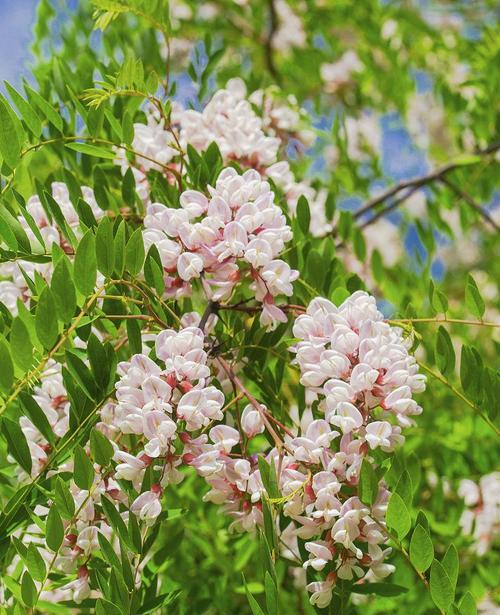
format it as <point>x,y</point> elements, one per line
<point>391,207</point>
<point>465,196</point>
<point>418,182</point>
<point>212,308</point>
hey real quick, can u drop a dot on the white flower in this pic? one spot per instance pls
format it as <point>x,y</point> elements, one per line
<point>189,266</point>
<point>251,421</point>
<point>319,556</point>
<point>378,434</point>
<point>147,507</point>
<point>347,417</point>
<point>224,437</point>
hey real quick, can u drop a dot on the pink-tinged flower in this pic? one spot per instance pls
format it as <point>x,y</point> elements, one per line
<point>251,421</point>
<point>224,437</point>
<point>321,591</point>
<point>200,406</point>
<point>159,429</point>
<point>147,507</point>
<point>271,316</point>
<point>189,266</point>
<point>80,588</point>
<point>378,434</point>
<point>129,467</point>
<point>320,554</point>
<point>347,417</point>
<point>310,447</point>
<point>87,539</point>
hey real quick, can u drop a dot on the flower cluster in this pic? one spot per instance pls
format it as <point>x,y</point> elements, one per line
<point>14,286</point>
<point>360,371</point>
<point>152,401</point>
<point>481,517</point>
<point>249,130</point>
<point>236,231</point>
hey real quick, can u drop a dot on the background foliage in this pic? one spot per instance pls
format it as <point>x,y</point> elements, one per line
<point>413,217</point>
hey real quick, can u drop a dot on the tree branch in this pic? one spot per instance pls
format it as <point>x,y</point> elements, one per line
<point>470,201</point>
<point>418,182</point>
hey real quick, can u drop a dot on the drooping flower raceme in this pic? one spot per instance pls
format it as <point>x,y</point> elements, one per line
<point>359,369</point>
<point>236,232</point>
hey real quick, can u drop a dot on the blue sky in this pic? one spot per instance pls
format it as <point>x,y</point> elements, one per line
<point>16,21</point>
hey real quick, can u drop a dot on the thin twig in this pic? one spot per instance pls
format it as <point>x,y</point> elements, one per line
<point>239,385</point>
<point>418,182</point>
<point>465,196</point>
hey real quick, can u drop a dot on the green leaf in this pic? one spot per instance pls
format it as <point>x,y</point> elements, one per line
<point>10,146</point>
<point>368,483</point>
<point>134,532</point>
<point>438,300</point>
<point>127,128</point>
<point>473,299</point>
<point>54,529</point>
<point>34,562</point>
<point>114,519</point>
<point>134,336</point>
<point>154,604</point>
<point>20,342</point>
<point>119,249</point>
<point>129,188</point>
<point>359,244</point>
<point>398,518</point>
<point>85,265</point>
<point>101,447</point>
<point>421,549</point>
<point>303,214</point>
<point>98,359</point>
<point>6,366</point>
<point>105,607</point>
<point>37,416</point>
<point>271,595</point>
<point>92,150</point>
<point>81,374</point>
<point>26,110</point>
<point>45,319</point>
<point>442,591</point>
<point>153,270</point>
<point>404,489</point>
<point>104,247</point>
<point>450,564</point>
<point>445,354</point>
<point>134,253</point>
<point>467,605</point>
<point>83,473</point>
<point>63,290</point>
<point>28,590</point>
<point>316,270</point>
<point>63,499</point>
<point>16,442</point>
<point>46,109</point>
<point>268,476</point>
<point>108,551</point>
<point>254,605</point>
